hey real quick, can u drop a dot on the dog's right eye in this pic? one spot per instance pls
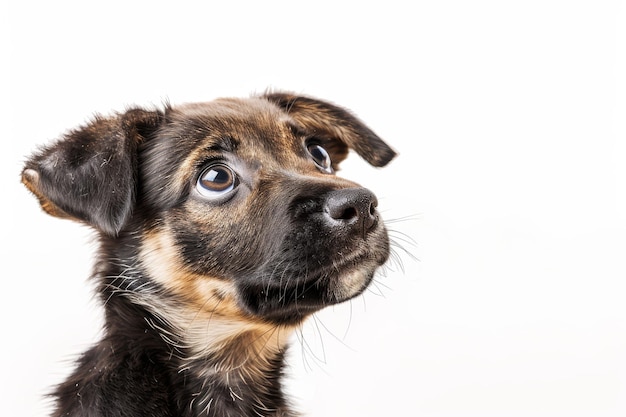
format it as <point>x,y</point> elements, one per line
<point>216,181</point>
<point>321,158</point>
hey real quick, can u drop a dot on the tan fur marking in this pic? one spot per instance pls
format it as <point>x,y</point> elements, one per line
<point>351,284</point>
<point>209,321</point>
<point>160,258</point>
<point>30,178</point>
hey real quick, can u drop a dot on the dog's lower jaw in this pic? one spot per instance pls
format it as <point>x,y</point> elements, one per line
<point>352,284</point>
<point>299,297</point>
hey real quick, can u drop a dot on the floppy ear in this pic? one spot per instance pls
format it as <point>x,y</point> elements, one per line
<point>326,119</point>
<point>89,174</point>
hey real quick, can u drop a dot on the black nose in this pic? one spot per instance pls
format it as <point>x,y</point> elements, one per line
<point>353,207</point>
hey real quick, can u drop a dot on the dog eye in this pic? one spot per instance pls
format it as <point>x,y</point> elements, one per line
<point>321,157</point>
<point>216,180</point>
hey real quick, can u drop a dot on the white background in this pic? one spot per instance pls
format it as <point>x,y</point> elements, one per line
<point>509,118</point>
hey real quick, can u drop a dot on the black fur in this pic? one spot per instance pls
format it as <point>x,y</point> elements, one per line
<point>200,293</point>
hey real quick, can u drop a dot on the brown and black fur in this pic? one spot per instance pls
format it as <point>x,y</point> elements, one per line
<point>201,294</point>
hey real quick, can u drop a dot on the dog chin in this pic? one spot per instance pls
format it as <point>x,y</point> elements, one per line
<point>282,306</point>
<point>350,284</point>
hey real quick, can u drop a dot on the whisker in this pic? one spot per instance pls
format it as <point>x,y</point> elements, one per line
<point>403,237</point>
<point>305,347</point>
<point>377,284</point>
<point>317,320</point>
<point>345,334</point>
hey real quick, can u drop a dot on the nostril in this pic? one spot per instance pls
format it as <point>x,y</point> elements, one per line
<point>346,213</point>
<point>354,207</point>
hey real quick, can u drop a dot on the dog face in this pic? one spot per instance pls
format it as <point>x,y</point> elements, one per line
<point>232,206</point>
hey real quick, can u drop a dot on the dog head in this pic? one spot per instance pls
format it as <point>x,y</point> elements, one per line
<point>232,206</point>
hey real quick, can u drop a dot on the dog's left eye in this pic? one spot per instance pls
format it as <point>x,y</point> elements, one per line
<point>216,180</point>
<point>321,157</point>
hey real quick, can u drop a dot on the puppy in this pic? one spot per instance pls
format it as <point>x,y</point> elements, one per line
<point>222,226</point>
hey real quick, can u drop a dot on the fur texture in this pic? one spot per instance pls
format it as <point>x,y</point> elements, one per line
<point>222,227</point>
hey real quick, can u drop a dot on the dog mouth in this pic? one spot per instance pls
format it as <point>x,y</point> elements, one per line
<point>288,296</point>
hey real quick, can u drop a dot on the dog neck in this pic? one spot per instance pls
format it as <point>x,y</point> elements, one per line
<point>231,366</point>
<point>242,377</point>
<point>206,360</point>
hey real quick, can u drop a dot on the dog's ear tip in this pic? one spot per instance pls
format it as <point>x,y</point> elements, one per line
<point>30,176</point>
<point>32,179</point>
<point>382,159</point>
<point>387,157</point>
